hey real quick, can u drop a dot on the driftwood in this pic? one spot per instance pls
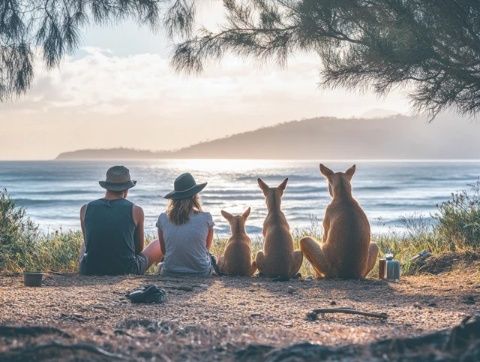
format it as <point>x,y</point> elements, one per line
<point>313,315</point>
<point>30,353</point>
<point>461,343</point>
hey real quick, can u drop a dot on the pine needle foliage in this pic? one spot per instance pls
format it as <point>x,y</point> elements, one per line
<point>53,28</point>
<point>432,47</point>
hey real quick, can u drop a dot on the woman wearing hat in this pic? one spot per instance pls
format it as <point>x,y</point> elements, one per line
<point>185,231</point>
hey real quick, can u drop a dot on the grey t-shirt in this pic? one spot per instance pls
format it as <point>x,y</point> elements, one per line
<point>185,245</point>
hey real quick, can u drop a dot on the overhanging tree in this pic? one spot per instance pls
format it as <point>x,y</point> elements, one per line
<point>53,27</point>
<point>432,46</point>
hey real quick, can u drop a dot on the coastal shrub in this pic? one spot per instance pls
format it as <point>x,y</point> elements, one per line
<point>55,252</point>
<point>23,248</point>
<point>58,252</point>
<point>456,228</point>
<point>417,235</point>
<point>459,219</point>
<point>17,234</point>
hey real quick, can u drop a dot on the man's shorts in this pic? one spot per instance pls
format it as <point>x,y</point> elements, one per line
<point>139,267</point>
<point>142,263</point>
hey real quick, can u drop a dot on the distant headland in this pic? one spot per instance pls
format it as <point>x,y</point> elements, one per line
<point>392,137</point>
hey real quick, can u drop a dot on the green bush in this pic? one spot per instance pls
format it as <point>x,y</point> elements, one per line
<point>457,228</point>
<point>23,248</point>
<point>418,235</point>
<point>459,219</point>
<point>17,234</point>
<point>59,252</point>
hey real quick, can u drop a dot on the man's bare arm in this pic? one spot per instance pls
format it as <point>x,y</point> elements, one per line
<point>83,210</point>
<point>139,219</point>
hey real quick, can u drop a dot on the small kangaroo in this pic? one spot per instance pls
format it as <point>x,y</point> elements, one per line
<point>346,251</point>
<point>278,259</point>
<point>237,257</point>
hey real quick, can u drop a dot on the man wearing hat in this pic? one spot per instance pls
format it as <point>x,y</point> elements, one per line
<point>113,230</point>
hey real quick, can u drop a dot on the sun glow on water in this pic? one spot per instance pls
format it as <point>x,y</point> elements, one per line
<point>219,165</point>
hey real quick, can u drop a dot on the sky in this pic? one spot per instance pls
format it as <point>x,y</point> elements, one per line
<point>119,90</point>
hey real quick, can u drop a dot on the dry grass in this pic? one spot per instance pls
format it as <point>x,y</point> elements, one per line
<point>457,230</point>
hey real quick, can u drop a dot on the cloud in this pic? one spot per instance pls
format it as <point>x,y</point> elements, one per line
<point>136,97</point>
<point>99,80</point>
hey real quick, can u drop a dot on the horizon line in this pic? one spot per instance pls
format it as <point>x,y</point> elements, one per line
<point>249,159</point>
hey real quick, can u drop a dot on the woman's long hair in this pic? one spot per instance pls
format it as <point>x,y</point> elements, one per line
<point>178,211</point>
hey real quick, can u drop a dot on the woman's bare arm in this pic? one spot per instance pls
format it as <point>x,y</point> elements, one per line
<point>161,241</point>
<point>209,238</point>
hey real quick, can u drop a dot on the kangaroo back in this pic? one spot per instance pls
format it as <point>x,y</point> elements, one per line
<point>277,258</point>
<point>237,258</point>
<point>346,228</point>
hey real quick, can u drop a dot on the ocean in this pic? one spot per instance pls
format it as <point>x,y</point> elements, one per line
<point>52,192</point>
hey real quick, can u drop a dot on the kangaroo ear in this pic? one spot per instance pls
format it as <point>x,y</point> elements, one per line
<point>246,213</point>
<point>262,185</point>
<point>350,172</point>
<point>227,215</point>
<point>325,171</point>
<point>283,185</point>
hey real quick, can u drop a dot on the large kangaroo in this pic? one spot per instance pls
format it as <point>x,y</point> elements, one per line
<point>237,258</point>
<point>346,251</point>
<point>277,258</point>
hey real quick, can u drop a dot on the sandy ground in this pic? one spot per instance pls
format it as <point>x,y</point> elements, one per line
<point>212,318</point>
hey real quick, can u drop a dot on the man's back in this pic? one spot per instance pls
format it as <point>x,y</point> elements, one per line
<point>110,237</point>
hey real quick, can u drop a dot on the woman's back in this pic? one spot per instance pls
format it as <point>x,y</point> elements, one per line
<point>185,245</point>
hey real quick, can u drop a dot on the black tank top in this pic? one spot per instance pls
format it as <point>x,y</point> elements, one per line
<point>110,237</point>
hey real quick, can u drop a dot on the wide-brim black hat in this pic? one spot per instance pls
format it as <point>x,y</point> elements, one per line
<point>185,187</point>
<point>118,179</point>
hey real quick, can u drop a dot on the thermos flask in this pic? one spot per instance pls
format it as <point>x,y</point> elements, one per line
<point>392,268</point>
<point>381,268</point>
